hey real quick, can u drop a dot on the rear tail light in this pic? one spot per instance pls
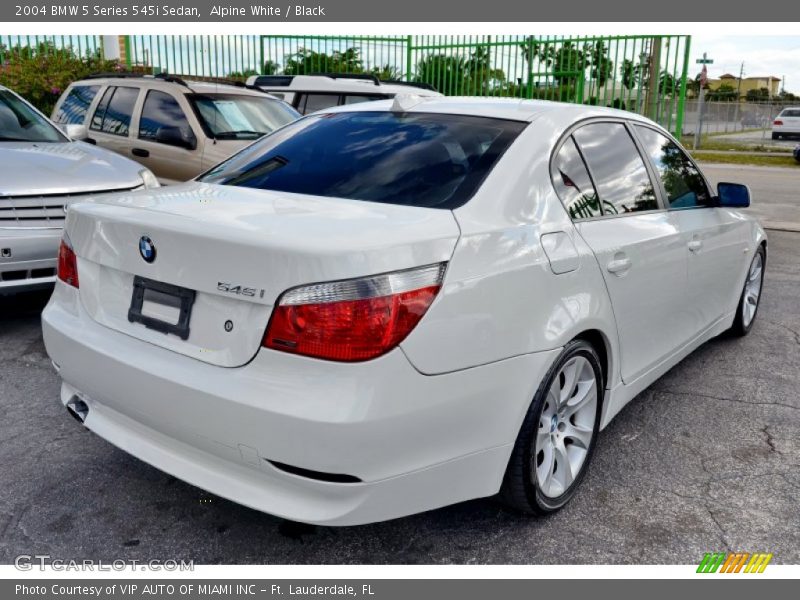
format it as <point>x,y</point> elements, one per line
<point>354,319</point>
<point>67,263</point>
<point>778,122</point>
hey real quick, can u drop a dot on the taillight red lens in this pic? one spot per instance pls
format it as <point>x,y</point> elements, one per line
<point>67,264</point>
<point>352,329</point>
<point>777,123</point>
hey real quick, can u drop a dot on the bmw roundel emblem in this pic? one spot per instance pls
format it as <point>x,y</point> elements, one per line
<point>147,249</point>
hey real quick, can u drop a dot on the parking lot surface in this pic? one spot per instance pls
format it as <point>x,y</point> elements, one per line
<point>706,459</point>
<point>775,190</point>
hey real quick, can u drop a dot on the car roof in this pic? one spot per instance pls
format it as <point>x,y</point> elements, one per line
<point>338,83</point>
<point>175,84</point>
<point>498,108</point>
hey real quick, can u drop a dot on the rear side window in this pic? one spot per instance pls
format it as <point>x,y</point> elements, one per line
<point>75,106</point>
<point>113,114</point>
<point>682,181</point>
<point>310,103</point>
<point>162,112</point>
<point>617,168</point>
<point>573,184</point>
<point>427,160</point>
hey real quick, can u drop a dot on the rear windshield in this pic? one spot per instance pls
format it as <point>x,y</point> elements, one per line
<point>426,160</point>
<point>791,112</point>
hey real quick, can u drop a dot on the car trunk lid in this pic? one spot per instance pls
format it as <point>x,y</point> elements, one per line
<point>236,250</point>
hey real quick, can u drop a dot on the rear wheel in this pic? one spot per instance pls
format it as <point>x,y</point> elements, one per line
<point>557,438</point>
<point>751,295</point>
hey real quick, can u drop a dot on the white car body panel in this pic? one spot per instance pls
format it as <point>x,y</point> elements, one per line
<point>431,422</point>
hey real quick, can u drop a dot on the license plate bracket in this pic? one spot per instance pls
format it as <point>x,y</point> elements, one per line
<point>183,299</point>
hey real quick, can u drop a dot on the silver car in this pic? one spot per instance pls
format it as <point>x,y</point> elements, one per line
<point>42,170</point>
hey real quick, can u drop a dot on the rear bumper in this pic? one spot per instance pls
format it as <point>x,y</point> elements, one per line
<point>414,442</point>
<point>27,258</point>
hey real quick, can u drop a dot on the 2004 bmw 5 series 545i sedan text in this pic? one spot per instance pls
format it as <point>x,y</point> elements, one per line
<point>398,305</point>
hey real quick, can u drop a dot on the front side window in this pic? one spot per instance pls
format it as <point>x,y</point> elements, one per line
<point>20,123</point>
<point>114,113</point>
<point>573,184</point>
<point>240,117</point>
<point>623,183</point>
<point>413,159</point>
<point>682,181</point>
<point>162,115</point>
<point>75,106</point>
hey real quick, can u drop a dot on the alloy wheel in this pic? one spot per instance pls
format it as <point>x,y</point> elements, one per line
<point>752,289</point>
<point>566,427</point>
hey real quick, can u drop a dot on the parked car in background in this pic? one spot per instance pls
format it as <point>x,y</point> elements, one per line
<point>797,153</point>
<point>787,123</point>
<point>310,93</point>
<point>176,128</point>
<point>42,171</point>
<point>451,304</point>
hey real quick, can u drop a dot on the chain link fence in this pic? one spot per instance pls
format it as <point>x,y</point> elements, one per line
<point>720,118</point>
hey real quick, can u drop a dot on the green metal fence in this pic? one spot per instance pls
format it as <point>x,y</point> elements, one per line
<point>78,44</point>
<point>645,74</point>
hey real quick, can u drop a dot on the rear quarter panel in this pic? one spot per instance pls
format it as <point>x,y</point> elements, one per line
<point>501,298</point>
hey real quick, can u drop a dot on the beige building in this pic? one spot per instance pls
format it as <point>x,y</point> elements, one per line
<point>770,82</point>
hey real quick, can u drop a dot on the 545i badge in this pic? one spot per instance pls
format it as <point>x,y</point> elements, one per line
<point>239,290</point>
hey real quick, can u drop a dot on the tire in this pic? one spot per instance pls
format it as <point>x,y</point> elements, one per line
<point>525,485</point>
<point>753,286</point>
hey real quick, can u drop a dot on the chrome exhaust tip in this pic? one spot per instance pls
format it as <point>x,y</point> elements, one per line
<point>78,409</point>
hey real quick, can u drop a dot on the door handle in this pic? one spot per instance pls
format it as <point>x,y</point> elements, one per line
<point>140,152</point>
<point>618,266</point>
<point>695,245</point>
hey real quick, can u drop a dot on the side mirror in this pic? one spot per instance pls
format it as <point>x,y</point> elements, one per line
<point>733,195</point>
<point>76,131</point>
<point>173,136</point>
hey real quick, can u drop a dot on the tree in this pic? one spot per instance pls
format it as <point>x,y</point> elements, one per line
<point>724,93</point>
<point>306,61</point>
<point>602,65</point>
<point>759,95</point>
<point>42,72</point>
<point>271,67</point>
<point>385,72</point>
<point>445,72</point>
<point>569,63</point>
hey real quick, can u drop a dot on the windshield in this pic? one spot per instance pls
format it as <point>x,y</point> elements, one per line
<point>20,123</point>
<point>240,117</point>
<point>427,160</point>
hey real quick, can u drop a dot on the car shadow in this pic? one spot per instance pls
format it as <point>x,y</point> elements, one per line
<point>23,306</point>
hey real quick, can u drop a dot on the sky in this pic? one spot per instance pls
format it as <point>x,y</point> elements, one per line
<point>762,55</point>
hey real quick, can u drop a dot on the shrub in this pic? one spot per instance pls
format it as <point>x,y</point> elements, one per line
<point>41,73</point>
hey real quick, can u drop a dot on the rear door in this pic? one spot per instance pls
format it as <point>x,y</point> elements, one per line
<point>715,237</point>
<point>110,125</point>
<point>165,141</point>
<point>640,250</point>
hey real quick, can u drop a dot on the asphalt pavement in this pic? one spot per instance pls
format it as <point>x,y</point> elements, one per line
<point>775,191</point>
<point>707,459</point>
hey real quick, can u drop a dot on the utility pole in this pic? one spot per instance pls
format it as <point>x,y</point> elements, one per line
<point>738,97</point>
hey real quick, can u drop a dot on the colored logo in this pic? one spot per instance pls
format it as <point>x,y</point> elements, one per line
<point>734,562</point>
<point>147,249</point>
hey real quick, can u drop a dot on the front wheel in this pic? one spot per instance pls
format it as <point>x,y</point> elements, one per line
<point>557,438</point>
<point>751,295</point>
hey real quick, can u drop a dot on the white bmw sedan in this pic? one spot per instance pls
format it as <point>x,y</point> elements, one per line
<point>393,306</point>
